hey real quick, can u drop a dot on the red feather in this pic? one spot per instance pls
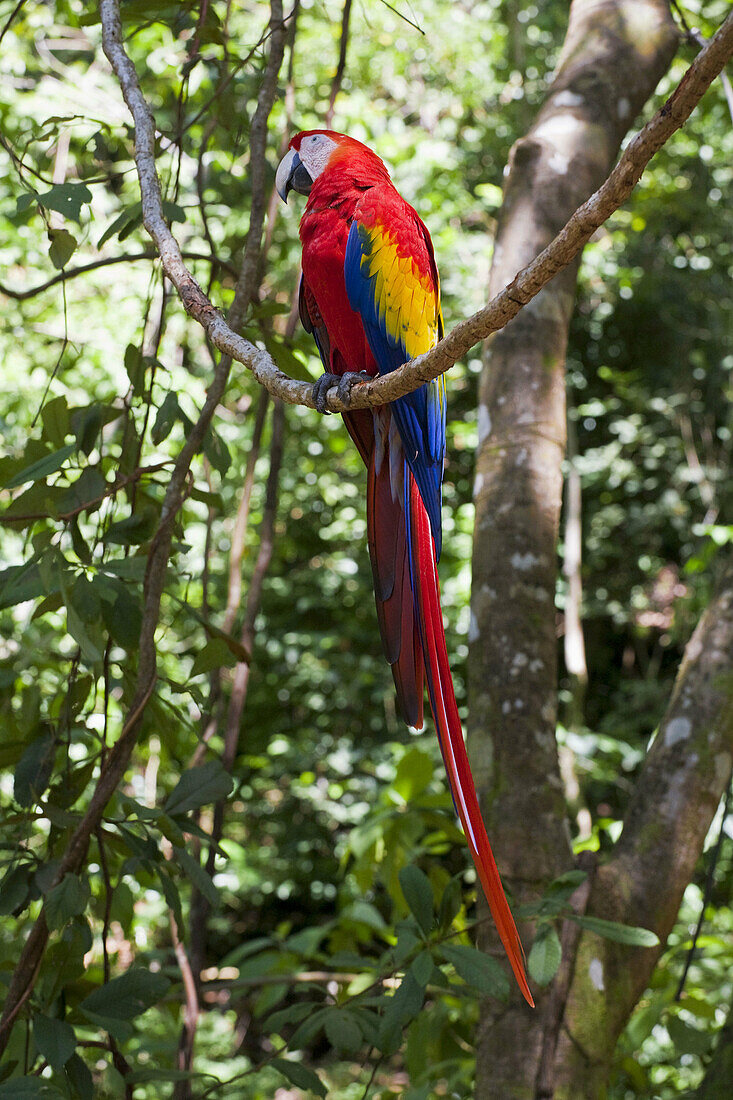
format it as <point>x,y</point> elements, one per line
<point>450,734</point>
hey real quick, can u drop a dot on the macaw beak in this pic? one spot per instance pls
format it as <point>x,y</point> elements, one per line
<point>292,175</point>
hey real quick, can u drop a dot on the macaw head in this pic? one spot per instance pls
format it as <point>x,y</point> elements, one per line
<point>311,152</point>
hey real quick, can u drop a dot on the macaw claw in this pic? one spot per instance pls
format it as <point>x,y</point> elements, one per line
<point>344,384</point>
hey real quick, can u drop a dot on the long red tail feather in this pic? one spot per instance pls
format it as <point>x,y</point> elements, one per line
<point>448,724</point>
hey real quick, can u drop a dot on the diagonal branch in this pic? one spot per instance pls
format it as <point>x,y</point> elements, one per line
<point>708,64</point>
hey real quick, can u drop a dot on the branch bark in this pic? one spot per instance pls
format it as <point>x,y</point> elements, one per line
<point>506,304</point>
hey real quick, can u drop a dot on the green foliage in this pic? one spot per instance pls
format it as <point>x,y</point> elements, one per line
<point>338,907</point>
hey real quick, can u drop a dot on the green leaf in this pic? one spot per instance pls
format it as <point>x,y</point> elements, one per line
<point>299,1075</point>
<point>544,958</point>
<point>167,415</point>
<point>85,599</point>
<point>123,906</point>
<point>130,569</point>
<point>422,968</point>
<point>65,958</point>
<point>20,583</point>
<point>127,996</point>
<point>418,894</point>
<point>477,969</point>
<point>68,899</point>
<point>86,635</point>
<point>14,889</point>
<point>34,769</point>
<point>123,616</point>
<point>49,464</point>
<point>55,417</point>
<point>135,367</point>
<point>66,199</point>
<point>131,217</point>
<point>407,940</point>
<point>290,1015</point>
<point>450,903</point>
<point>85,492</point>
<point>63,247</point>
<point>199,786</point>
<point>200,878</point>
<point>80,1078</point>
<point>172,898</point>
<point>414,774</point>
<point>282,353</point>
<point>215,654</point>
<point>86,423</point>
<point>217,452</point>
<point>687,1039</point>
<point>620,933</point>
<point>134,529</point>
<point>55,1040</point>
<point>569,878</point>
<point>173,212</point>
<point>400,1009</point>
<point>343,1031</point>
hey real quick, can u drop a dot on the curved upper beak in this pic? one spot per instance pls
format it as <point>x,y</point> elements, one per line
<point>292,175</point>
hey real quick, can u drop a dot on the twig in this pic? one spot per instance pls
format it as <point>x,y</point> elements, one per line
<point>10,18</point>
<point>64,517</point>
<point>709,880</point>
<point>182,1089</point>
<point>236,553</point>
<point>699,40</point>
<point>82,269</point>
<point>341,66</point>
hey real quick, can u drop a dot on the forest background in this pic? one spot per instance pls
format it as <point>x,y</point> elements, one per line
<point>322,943</point>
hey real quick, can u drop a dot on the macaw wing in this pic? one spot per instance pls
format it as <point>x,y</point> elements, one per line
<point>312,322</point>
<point>392,283</point>
<point>358,422</point>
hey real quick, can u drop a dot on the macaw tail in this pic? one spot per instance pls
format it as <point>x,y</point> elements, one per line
<point>429,616</point>
<point>411,624</point>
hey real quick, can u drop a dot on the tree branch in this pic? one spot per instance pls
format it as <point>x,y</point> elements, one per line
<point>106,261</point>
<point>500,310</point>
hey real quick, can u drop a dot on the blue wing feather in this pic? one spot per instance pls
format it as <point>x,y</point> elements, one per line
<point>420,416</point>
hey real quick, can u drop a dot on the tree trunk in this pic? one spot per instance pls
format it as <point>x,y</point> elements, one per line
<point>614,54</point>
<point>685,775</point>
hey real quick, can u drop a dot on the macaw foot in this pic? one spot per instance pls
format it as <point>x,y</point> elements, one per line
<point>344,384</point>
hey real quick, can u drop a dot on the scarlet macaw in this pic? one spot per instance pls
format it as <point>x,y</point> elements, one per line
<point>370,296</point>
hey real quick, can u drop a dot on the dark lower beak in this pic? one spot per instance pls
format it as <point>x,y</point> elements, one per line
<point>292,175</point>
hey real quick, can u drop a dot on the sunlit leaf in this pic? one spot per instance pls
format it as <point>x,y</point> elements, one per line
<point>619,933</point>
<point>545,955</point>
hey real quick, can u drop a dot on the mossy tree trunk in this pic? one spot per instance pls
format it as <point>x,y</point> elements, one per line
<point>614,55</point>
